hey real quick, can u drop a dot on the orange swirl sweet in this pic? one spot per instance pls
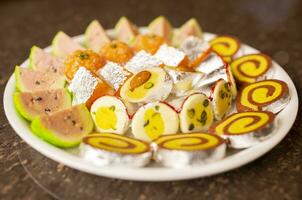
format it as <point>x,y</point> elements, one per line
<point>243,123</point>
<point>257,95</point>
<point>189,141</point>
<point>248,68</point>
<point>116,143</point>
<point>225,46</point>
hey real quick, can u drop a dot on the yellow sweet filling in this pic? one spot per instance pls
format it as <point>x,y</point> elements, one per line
<point>241,123</point>
<point>224,100</point>
<point>106,117</point>
<point>143,90</point>
<point>154,124</point>
<point>189,142</point>
<point>199,115</point>
<point>116,143</point>
<point>260,93</point>
<point>225,46</point>
<point>248,68</point>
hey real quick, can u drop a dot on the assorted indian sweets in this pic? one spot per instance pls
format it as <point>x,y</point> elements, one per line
<point>162,93</point>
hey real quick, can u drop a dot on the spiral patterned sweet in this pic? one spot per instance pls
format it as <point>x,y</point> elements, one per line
<point>225,46</point>
<point>116,143</point>
<point>257,95</point>
<point>248,68</point>
<point>189,142</point>
<point>243,123</point>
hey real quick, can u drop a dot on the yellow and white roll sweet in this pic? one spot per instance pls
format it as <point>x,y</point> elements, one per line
<point>221,97</point>
<point>268,95</point>
<point>245,129</point>
<point>104,149</point>
<point>231,81</point>
<point>153,120</point>
<point>226,46</point>
<point>109,114</point>
<point>196,114</point>
<point>251,68</point>
<point>181,150</point>
<point>149,85</point>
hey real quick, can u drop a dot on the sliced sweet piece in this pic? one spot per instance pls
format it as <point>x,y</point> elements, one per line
<point>183,81</point>
<point>149,85</point>
<point>82,58</point>
<point>62,45</point>
<point>110,115</point>
<point>192,149</point>
<point>34,104</point>
<point>231,81</point>
<point>117,51</point>
<point>172,57</point>
<point>176,102</point>
<point>95,36</point>
<point>125,30</point>
<point>28,80</point>
<point>148,42</point>
<point>251,68</point>
<point>214,69</point>
<point>113,149</point>
<point>153,120</point>
<point>65,128</point>
<point>221,97</point>
<point>196,49</point>
<point>142,60</point>
<point>190,28</point>
<point>226,47</point>
<point>196,114</point>
<point>268,95</point>
<point>43,61</point>
<point>114,74</point>
<point>162,27</point>
<point>86,87</point>
<point>246,129</point>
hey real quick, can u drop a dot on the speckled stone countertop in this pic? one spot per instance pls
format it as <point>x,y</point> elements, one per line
<point>274,27</point>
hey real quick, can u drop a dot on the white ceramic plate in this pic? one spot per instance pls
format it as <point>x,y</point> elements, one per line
<point>69,158</point>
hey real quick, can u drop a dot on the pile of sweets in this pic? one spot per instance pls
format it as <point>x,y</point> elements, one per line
<point>159,93</point>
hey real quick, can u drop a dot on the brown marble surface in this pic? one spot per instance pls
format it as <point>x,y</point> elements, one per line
<point>274,27</point>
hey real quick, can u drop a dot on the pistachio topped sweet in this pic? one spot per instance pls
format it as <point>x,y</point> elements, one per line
<point>196,114</point>
<point>149,85</point>
<point>153,120</point>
